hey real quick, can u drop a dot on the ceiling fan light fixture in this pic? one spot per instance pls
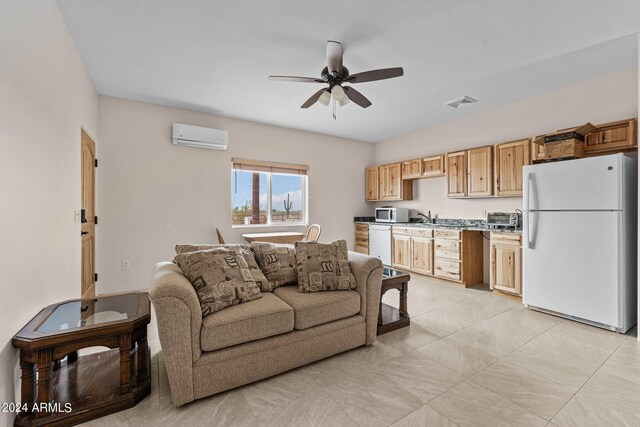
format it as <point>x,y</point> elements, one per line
<point>344,101</point>
<point>325,98</point>
<point>338,93</point>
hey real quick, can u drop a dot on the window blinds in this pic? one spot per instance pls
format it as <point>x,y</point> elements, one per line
<point>262,166</point>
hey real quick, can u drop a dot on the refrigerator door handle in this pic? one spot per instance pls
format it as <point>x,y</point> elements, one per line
<point>526,210</point>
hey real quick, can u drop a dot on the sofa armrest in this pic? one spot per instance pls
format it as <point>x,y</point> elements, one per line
<point>368,273</point>
<point>179,319</point>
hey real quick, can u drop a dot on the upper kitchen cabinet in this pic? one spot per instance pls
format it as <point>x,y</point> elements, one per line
<point>456,167</point>
<point>392,186</point>
<point>372,184</point>
<point>433,166</point>
<point>480,179</point>
<point>509,159</point>
<point>412,169</point>
<point>612,137</point>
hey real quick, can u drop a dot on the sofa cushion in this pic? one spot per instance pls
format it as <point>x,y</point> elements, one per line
<point>312,309</point>
<point>242,323</point>
<point>323,267</point>
<point>277,262</point>
<point>246,252</point>
<point>221,278</point>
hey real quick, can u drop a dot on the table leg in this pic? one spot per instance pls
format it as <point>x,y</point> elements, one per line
<point>44,363</point>
<point>125,363</point>
<point>142,360</point>
<point>27,384</point>
<point>380,310</point>
<point>72,357</point>
<point>403,300</point>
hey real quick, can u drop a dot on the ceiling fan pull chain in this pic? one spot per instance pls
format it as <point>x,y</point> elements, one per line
<point>334,109</point>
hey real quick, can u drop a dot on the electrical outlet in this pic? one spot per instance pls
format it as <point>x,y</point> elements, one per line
<point>125,264</point>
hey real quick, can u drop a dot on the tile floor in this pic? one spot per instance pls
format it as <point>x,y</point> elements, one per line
<point>470,357</point>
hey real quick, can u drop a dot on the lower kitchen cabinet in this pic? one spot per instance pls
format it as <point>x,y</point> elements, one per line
<point>401,251</point>
<point>506,262</point>
<point>362,238</point>
<point>447,254</point>
<point>422,255</point>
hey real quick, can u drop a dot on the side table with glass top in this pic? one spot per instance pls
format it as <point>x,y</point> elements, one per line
<point>60,388</point>
<point>391,318</point>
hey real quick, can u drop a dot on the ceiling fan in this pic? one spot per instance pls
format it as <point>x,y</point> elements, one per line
<point>336,75</point>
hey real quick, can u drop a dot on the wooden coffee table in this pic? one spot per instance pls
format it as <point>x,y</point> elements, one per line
<point>58,387</point>
<point>391,318</point>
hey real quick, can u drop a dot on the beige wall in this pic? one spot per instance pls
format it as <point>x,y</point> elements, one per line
<point>153,195</point>
<point>45,97</point>
<point>607,98</point>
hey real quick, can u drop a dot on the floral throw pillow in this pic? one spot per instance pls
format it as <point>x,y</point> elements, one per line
<point>220,277</point>
<point>246,252</point>
<point>277,262</point>
<point>323,267</point>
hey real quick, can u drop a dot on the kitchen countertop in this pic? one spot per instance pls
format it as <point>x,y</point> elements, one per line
<point>442,224</point>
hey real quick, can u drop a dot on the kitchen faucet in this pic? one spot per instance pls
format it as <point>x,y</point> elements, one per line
<point>426,218</point>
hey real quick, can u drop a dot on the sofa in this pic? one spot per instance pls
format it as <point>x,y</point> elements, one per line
<point>244,343</point>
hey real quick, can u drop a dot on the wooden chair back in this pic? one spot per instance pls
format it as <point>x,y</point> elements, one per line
<point>313,233</point>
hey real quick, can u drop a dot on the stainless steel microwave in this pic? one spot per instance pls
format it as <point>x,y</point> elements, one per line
<point>389,214</point>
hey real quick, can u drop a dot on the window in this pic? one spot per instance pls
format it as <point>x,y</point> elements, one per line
<point>279,191</point>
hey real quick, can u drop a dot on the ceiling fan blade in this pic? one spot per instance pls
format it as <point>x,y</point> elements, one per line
<point>356,97</point>
<point>314,98</point>
<point>296,79</point>
<point>373,75</point>
<point>334,56</point>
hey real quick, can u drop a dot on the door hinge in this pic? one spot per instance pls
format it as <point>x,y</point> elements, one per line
<point>95,220</point>
<point>95,277</point>
<point>95,162</point>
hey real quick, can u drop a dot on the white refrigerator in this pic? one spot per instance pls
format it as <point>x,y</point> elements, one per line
<point>580,240</point>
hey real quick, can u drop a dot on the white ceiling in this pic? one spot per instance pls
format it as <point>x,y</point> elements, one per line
<point>215,56</point>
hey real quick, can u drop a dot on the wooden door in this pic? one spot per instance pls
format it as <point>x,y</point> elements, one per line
<point>412,169</point>
<point>372,184</point>
<point>506,265</point>
<point>422,255</point>
<point>401,251</point>
<point>509,159</point>
<point>88,226</point>
<point>433,166</point>
<point>480,180</point>
<point>456,167</point>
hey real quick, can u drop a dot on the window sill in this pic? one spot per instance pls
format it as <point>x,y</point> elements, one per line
<point>269,225</point>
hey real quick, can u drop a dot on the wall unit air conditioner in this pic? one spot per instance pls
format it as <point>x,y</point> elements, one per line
<point>199,137</point>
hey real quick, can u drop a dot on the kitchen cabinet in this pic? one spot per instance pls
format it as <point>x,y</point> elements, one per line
<point>506,262</point>
<point>509,159</point>
<point>422,255</point>
<point>480,172</point>
<point>412,169</point>
<point>448,254</point>
<point>456,166</point>
<point>392,186</point>
<point>612,137</point>
<point>457,256</point>
<point>401,251</point>
<point>372,184</point>
<point>362,238</point>
<point>433,166</point>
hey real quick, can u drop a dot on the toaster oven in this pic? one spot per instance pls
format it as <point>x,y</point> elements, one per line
<point>501,220</point>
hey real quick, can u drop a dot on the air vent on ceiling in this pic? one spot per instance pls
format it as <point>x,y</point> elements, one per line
<point>464,100</point>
